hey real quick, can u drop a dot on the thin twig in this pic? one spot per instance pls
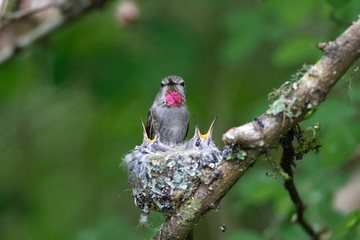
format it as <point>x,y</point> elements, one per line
<point>286,163</point>
<point>32,31</point>
<point>28,12</point>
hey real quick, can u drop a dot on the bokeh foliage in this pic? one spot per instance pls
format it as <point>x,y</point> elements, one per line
<point>70,108</point>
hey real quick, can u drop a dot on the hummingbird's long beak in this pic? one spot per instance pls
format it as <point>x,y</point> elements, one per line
<point>145,134</point>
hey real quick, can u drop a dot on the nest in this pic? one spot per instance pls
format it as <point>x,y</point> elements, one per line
<point>163,176</point>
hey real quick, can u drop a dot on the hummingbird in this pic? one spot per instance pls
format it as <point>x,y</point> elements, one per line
<point>168,117</point>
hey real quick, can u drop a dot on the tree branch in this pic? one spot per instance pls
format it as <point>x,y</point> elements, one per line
<point>286,163</point>
<point>257,136</point>
<point>22,28</point>
<point>8,18</point>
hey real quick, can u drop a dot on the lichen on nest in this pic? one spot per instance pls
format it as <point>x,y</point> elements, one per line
<point>164,176</point>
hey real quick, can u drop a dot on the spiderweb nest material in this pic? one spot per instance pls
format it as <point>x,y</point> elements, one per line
<point>163,176</point>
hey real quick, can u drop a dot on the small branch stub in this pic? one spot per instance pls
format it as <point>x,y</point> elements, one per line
<point>321,46</point>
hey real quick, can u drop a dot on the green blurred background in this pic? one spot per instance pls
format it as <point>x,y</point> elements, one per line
<point>70,107</point>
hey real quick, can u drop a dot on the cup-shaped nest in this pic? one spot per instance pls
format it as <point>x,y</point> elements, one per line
<point>162,176</point>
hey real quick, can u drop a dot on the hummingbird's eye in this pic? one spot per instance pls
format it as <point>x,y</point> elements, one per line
<point>162,84</point>
<point>197,143</point>
<point>182,84</point>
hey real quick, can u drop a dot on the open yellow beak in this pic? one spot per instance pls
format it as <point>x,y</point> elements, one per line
<point>149,140</point>
<point>209,131</point>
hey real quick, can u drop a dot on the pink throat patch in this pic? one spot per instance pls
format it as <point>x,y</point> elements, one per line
<point>173,99</point>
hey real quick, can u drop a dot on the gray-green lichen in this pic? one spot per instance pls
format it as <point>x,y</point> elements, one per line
<point>287,106</point>
<point>231,152</point>
<point>286,87</point>
<point>280,97</point>
<point>188,210</point>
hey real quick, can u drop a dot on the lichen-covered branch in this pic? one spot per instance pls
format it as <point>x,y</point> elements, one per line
<point>207,198</point>
<point>286,163</point>
<point>21,28</point>
<point>257,136</point>
<point>303,95</point>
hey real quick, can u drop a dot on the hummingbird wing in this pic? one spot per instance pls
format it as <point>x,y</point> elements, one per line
<point>149,126</point>
<point>187,130</point>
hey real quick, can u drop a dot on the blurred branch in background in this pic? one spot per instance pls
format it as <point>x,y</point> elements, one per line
<point>33,19</point>
<point>3,4</point>
<point>257,137</point>
<point>12,16</point>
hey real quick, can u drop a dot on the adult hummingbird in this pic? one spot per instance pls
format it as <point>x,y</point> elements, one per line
<point>168,117</point>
